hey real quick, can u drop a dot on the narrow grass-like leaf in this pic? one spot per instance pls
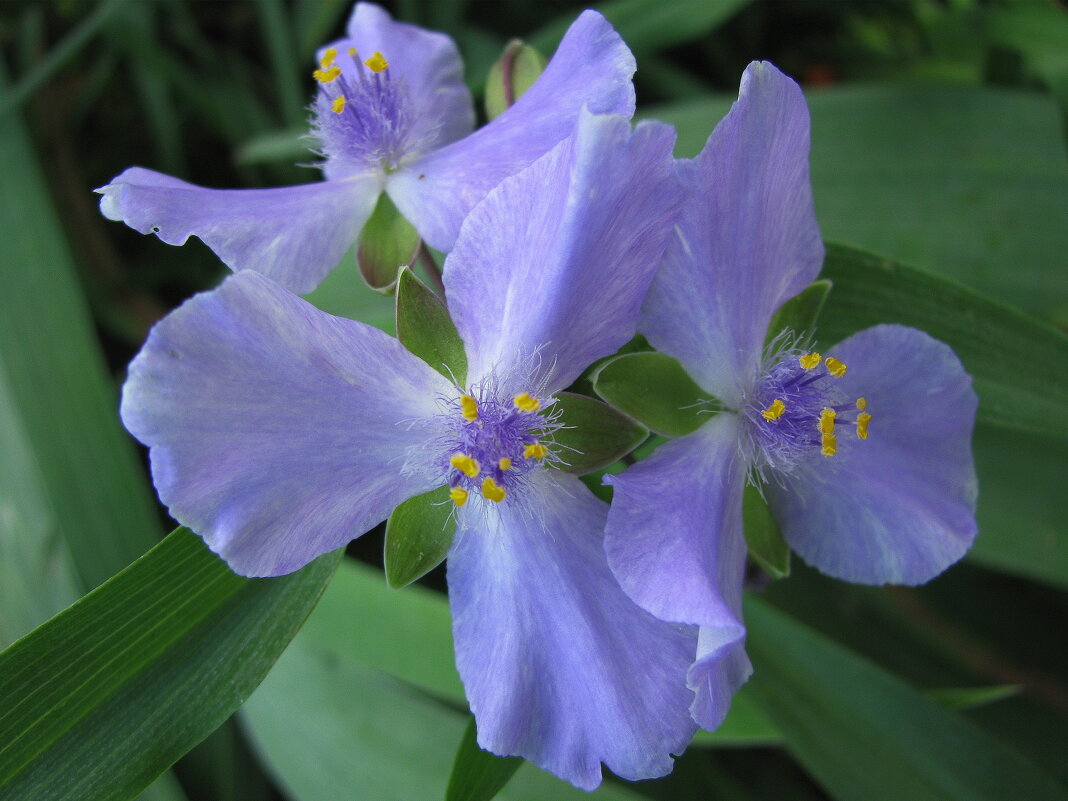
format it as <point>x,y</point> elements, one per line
<point>425,328</point>
<point>101,699</point>
<point>387,243</point>
<point>476,774</point>
<point>654,389</point>
<point>418,535</point>
<point>594,434</point>
<point>766,545</point>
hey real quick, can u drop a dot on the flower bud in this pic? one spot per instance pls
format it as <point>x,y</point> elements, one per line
<point>516,70</point>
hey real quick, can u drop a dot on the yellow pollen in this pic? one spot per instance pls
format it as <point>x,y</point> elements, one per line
<point>326,76</point>
<point>830,445</point>
<point>809,360</point>
<point>862,403</point>
<point>491,491</point>
<point>504,463</point>
<point>862,425</point>
<point>835,367</point>
<point>339,104</point>
<point>774,412</point>
<point>525,403</point>
<point>469,408</point>
<point>328,58</point>
<point>352,51</point>
<point>378,63</point>
<point>465,464</point>
<point>827,417</point>
<point>458,495</point>
<point>535,450</point>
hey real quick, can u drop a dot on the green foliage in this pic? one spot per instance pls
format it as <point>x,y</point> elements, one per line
<point>594,434</point>
<point>418,535</point>
<point>762,535</point>
<point>425,328</point>
<point>655,389</point>
<point>801,312</point>
<point>476,774</point>
<point>387,243</point>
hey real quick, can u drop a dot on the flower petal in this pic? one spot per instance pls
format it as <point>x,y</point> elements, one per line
<point>559,666</point>
<point>294,235</point>
<point>747,238</point>
<point>541,269</point>
<point>900,506</point>
<point>277,432</point>
<point>591,68</point>
<point>721,667</point>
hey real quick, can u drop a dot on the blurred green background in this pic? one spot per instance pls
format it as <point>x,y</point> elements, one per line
<point>938,142</point>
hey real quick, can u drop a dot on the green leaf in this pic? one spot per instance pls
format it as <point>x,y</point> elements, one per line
<point>594,434</point>
<point>343,294</point>
<point>972,697</point>
<point>425,328</point>
<point>101,699</point>
<point>766,545</point>
<point>745,726</point>
<point>801,312</point>
<point>387,243</point>
<point>1017,362</point>
<point>866,735</point>
<point>511,75</point>
<point>418,536</point>
<point>654,389</point>
<point>478,775</point>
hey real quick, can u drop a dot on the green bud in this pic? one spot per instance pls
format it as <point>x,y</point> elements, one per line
<point>515,72</point>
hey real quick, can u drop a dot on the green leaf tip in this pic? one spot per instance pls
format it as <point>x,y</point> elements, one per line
<point>418,536</point>
<point>425,328</point>
<point>801,312</point>
<point>478,775</point>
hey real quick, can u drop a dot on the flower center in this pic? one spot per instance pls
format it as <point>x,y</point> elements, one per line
<point>364,115</point>
<point>797,410</point>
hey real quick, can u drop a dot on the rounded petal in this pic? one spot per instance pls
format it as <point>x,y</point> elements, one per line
<point>591,68</point>
<point>898,507</point>
<point>721,667</point>
<point>294,235</point>
<point>277,432</point>
<point>559,666</point>
<point>540,269</point>
<point>747,239</point>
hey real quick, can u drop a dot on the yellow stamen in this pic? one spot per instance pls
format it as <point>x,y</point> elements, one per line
<point>775,411</point>
<point>809,360</point>
<point>535,450</point>
<point>830,445</point>
<point>326,76</point>
<point>328,58</point>
<point>862,403</point>
<point>339,104</point>
<point>458,495</point>
<point>352,51</point>
<point>827,417</point>
<point>504,463</point>
<point>862,425</point>
<point>465,464</point>
<point>835,367</point>
<point>491,491</point>
<point>469,408</point>
<point>524,402</point>
<point>376,63</point>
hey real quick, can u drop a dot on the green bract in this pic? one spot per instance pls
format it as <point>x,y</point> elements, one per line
<point>654,389</point>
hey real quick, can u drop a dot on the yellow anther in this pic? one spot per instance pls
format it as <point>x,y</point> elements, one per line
<point>504,463</point>
<point>535,450</point>
<point>465,464</point>
<point>830,445</point>
<point>339,104</point>
<point>327,60</point>
<point>469,408</point>
<point>326,76</point>
<point>809,360</point>
<point>827,417</point>
<point>458,495</point>
<point>862,403</point>
<point>835,367</point>
<point>377,63</point>
<point>491,491</point>
<point>352,51</point>
<point>775,411</point>
<point>524,402</point>
<point>862,425</point>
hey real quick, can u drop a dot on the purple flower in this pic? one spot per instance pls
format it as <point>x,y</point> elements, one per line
<point>863,453</point>
<point>278,433</point>
<point>392,114</point>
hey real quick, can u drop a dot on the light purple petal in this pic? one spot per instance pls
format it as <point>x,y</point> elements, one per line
<point>426,60</point>
<point>591,68</point>
<point>294,235</point>
<point>721,667</point>
<point>898,507</point>
<point>559,666</point>
<point>556,260</point>
<point>747,238</point>
<point>277,432</point>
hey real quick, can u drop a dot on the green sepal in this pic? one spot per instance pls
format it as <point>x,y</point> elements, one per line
<point>594,434</point>
<point>418,536</point>
<point>800,313</point>
<point>425,328</point>
<point>762,535</point>
<point>387,243</point>
<point>478,775</point>
<point>511,75</point>
<point>656,390</point>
